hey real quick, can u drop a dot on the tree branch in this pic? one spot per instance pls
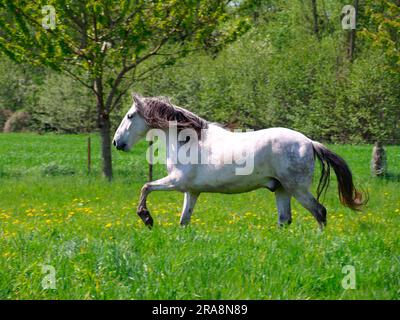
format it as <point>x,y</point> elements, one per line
<point>75,77</point>
<point>126,69</point>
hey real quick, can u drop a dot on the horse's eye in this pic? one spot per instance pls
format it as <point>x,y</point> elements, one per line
<point>130,116</point>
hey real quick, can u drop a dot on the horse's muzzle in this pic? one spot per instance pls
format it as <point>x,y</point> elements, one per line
<point>119,146</point>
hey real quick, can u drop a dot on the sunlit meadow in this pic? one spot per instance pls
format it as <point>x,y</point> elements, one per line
<point>52,213</point>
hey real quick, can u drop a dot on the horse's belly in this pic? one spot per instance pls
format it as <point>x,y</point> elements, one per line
<point>227,181</point>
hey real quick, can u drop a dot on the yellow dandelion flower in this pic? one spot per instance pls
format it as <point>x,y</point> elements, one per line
<point>108,225</point>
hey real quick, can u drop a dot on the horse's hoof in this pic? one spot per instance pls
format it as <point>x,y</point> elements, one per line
<point>144,214</point>
<point>285,223</point>
<point>322,225</point>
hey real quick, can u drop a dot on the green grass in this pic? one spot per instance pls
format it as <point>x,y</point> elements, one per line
<point>53,213</point>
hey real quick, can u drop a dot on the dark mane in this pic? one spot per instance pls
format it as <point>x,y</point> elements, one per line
<point>158,111</point>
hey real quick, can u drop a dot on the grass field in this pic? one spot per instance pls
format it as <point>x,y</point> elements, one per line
<point>53,214</point>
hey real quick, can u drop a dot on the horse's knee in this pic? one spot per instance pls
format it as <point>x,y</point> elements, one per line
<point>145,188</point>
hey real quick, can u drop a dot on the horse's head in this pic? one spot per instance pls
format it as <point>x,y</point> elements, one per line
<point>132,127</point>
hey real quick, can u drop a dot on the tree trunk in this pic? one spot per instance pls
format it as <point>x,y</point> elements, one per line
<point>315,18</point>
<point>105,135</point>
<point>104,124</point>
<point>378,162</point>
<point>352,36</point>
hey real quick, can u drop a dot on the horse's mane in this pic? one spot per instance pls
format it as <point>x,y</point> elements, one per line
<point>159,111</point>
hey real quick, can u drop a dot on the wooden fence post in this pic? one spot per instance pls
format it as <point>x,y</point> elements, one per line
<point>89,154</point>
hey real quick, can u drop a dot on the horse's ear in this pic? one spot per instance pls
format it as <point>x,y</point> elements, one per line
<point>137,99</point>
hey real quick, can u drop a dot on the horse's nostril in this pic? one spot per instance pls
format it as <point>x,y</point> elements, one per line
<point>120,146</point>
<point>114,143</point>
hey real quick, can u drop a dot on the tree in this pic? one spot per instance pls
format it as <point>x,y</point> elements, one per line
<point>352,36</point>
<point>384,32</point>
<point>107,45</point>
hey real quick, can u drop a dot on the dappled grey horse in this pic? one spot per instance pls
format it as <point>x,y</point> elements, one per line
<point>282,161</point>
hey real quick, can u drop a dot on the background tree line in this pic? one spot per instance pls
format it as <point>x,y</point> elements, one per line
<point>294,67</point>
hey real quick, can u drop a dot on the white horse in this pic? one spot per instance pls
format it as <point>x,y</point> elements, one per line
<point>283,161</point>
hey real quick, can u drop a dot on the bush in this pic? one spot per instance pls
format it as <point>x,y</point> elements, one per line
<point>19,121</point>
<point>5,114</point>
<point>53,169</point>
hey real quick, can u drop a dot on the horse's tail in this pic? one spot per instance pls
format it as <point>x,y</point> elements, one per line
<point>349,196</point>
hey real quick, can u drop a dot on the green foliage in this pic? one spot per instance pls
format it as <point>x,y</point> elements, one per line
<point>63,106</point>
<point>19,84</point>
<point>384,30</point>
<point>281,74</point>
<point>104,40</point>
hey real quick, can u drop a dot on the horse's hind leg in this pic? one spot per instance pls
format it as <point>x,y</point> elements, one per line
<point>272,184</point>
<point>308,201</point>
<point>188,205</point>
<point>283,203</point>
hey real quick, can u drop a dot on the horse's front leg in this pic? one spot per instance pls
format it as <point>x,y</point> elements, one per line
<point>165,184</point>
<point>188,205</point>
